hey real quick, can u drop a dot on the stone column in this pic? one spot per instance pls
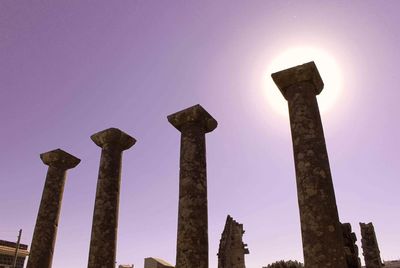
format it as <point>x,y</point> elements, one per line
<point>44,236</point>
<point>103,241</point>
<point>320,226</point>
<point>192,242</point>
<point>372,256</point>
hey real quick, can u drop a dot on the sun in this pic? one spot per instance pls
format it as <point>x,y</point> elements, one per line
<point>327,67</point>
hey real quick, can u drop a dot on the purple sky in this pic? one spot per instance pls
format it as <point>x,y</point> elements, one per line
<point>69,69</point>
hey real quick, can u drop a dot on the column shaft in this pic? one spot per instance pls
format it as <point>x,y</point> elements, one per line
<point>320,226</point>
<point>192,244</point>
<point>105,217</point>
<point>44,236</point>
<point>103,243</point>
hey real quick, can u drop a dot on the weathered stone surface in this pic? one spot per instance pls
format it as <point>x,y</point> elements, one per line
<point>305,73</point>
<point>320,226</point>
<point>44,236</point>
<point>350,247</point>
<point>59,159</point>
<point>192,241</point>
<point>103,241</point>
<point>231,247</point>
<point>113,137</point>
<point>195,115</point>
<point>370,247</point>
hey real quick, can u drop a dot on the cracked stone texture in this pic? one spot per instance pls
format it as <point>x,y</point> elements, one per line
<point>44,236</point>
<point>231,247</point>
<point>350,247</point>
<point>192,241</point>
<point>321,231</point>
<point>307,72</point>
<point>102,252</point>
<point>370,247</point>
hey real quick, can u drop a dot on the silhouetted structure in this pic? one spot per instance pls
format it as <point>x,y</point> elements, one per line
<point>231,247</point>
<point>44,236</point>
<point>103,241</point>
<point>192,241</point>
<point>7,253</point>
<point>370,247</point>
<point>350,247</point>
<point>320,226</point>
<point>156,263</point>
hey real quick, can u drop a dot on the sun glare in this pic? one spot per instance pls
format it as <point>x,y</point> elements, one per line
<point>327,67</point>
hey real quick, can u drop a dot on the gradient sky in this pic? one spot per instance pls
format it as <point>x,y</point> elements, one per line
<point>69,69</point>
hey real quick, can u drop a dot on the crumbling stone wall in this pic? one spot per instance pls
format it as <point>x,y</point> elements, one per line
<point>231,247</point>
<point>350,247</point>
<point>370,247</point>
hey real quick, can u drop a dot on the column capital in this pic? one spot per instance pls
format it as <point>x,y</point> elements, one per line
<point>60,159</point>
<point>113,136</point>
<point>195,114</point>
<point>307,72</point>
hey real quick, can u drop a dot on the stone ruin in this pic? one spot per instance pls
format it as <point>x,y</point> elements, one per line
<point>192,240</point>
<point>326,243</point>
<point>44,235</point>
<point>231,247</point>
<point>350,247</point>
<point>103,241</point>
<point>320,227</point>
<point>370,247</point>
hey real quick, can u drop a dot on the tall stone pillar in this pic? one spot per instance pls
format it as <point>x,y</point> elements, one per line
<point>103,243</point>
<point>44,235</point>
<point>372,256</point>
<point>192,242</point>
<point>320,226</point>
